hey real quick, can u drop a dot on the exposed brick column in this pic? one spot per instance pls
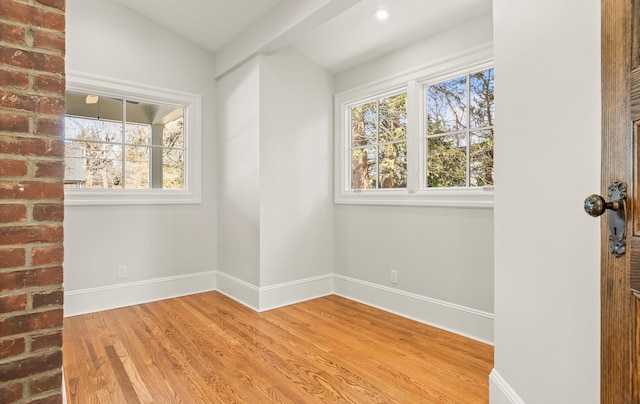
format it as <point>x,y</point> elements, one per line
<point>32,88</point>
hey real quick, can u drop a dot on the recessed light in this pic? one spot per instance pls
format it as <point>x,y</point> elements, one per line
<point>382,14</point>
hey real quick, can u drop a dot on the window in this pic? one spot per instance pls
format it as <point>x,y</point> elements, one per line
<point>379,143</point>
<point>129,144</point>
<point>459,131</point>
<point>424,140</point>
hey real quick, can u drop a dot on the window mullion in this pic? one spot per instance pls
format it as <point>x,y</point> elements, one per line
<point>378,143</point>
<point>468,133</point>
<point>123,142</point>
<point>413,137</point>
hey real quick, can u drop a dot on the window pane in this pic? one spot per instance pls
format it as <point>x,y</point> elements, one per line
<point>481,159</point>
<point>173,131</point>
<point>393,118</point>
<point>74,165</point>
<point>364,126</point>
<point>482,107</point>
<point>93,107</point>
<point>92,129</point>
<point>93,165</point>
<point>363,168</point>
<point>137,168</point>
<point>172,169</point>
<point>446,161</point>
<point>137,134</point>
<point>393,165</point>
<point>446,103</point>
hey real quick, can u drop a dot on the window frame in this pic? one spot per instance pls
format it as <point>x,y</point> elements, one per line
<point>192,104</point>
<point>415,193</point>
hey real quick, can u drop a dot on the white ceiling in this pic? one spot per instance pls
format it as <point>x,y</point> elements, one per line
<point>341,40</point>
<point>208,23</point>
<point>356,36</point>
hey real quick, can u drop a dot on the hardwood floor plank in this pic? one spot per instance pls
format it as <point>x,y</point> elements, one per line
<point>208,348</point>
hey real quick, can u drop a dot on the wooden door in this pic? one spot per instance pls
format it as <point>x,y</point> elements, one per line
<point>620,306</point>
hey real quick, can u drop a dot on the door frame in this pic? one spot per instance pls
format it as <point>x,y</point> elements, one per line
<point>617,165</point>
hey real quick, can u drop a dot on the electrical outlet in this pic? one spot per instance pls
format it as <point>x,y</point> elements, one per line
<point>394,276</point>
<point>122,272</point>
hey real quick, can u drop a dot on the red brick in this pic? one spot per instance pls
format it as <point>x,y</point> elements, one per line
<point>53,399</point>
<point>48,212</point>
<point>14,123</point>
<point>46,383</point>
<point>50,169</point>
<point>31,366</point>
<point>31,190</point>
<point>49,298</point>
<point>54,21</point>
<point>10,258</point>
<point>50,127</point>
<point>11,347</point>
<point>14,100</point>
<point>44,341</point>
<point>30,278</point>
<point>13,303</point>
<point>26,14</point>
<point>13,79</point>
<point>50,105</point>
<point>31,60</point>
<point>49,40</point>
<point>25,146</point>
<point>30,322</point>
<point>49,84</point>
<point>31,234</point>
<point>13,213</point>
<point>11,393</point>
<point>13,168</point>
<point>12,33</point>
<point>59,4</point>
<point>47,255</point>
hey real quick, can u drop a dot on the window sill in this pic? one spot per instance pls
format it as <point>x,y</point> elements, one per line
<point>97,197</point>
<point>463,198</point>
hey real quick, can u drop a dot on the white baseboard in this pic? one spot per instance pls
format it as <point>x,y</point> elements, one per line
<point>500,392</point>
<point>465,321</point>
<point>274,296</point>
<point>284,294</point>
<point>83,301</point>
<point>239,290</point>
<point>461,320</point>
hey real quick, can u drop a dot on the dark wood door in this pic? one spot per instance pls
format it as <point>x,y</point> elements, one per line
<point>620,277</point>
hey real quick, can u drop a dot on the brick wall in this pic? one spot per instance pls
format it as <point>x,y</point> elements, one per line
<point>32,86</point>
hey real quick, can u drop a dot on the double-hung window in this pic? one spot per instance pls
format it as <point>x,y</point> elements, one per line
<point>130,144</point>
<point>427,141</point>
<point>379,143</point>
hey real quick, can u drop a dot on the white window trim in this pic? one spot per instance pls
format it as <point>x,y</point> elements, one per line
<point>192,103</point>
<point>415,193</point>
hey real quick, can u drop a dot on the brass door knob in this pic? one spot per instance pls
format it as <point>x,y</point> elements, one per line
<point>595,205</point>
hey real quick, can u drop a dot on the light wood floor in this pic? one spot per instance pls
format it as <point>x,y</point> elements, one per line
<point>207,348</point>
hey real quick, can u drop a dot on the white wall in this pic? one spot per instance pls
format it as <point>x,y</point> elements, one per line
<point>444,256</point>
<point>107,39</point>
<point>547,64</point>
<point>239,173</point>
<point>275,200</point>
<point>296,148</point>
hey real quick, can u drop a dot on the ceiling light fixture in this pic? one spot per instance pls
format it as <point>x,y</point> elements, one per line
<point>91,99</point>
<point>382,14</point>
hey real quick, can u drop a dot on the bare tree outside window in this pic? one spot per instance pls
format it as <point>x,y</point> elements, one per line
<point>459,131</point>
<point>123,144</point>
<point>379,143</point>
